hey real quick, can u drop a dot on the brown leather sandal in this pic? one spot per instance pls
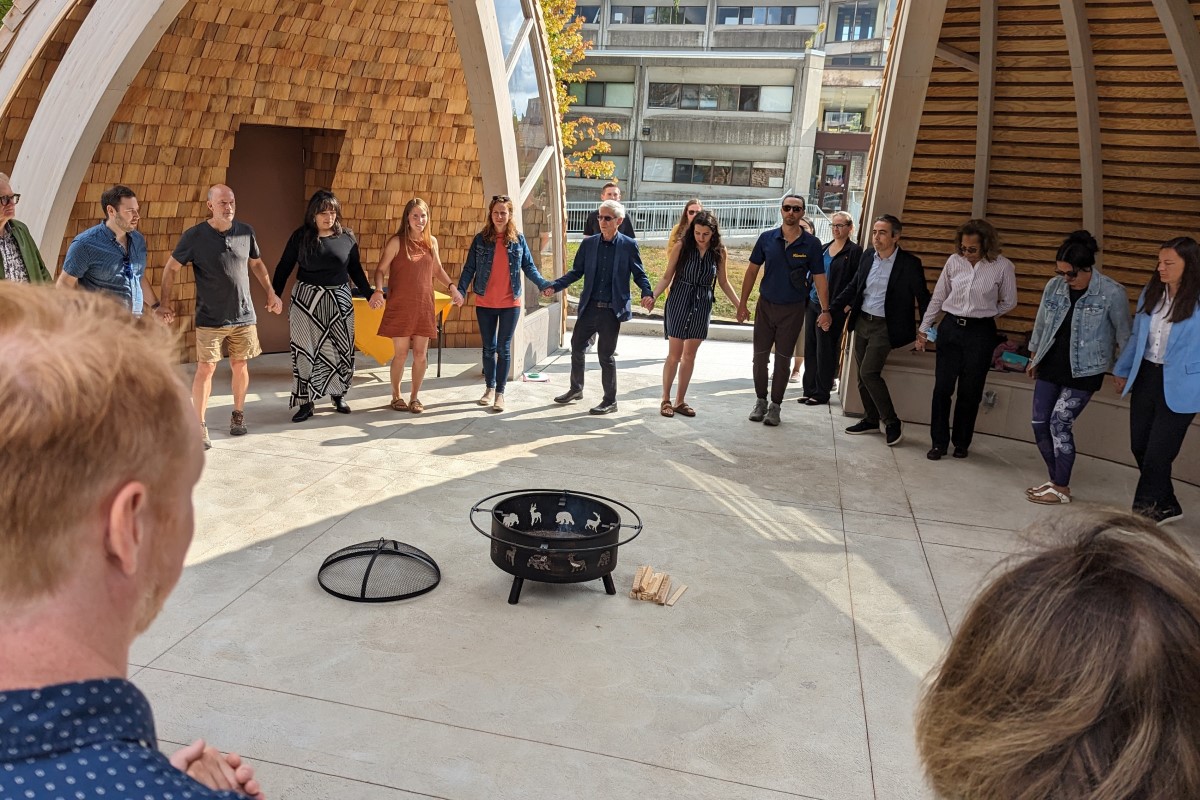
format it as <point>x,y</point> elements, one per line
<point>398,404</point>
<point>685,409</point>
<point>416,407</point>
<point>666,409</point>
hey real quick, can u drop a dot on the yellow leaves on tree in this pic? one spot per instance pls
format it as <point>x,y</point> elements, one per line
<point>583,137</point>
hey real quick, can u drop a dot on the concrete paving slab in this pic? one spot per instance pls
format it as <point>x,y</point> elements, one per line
<point>825,572</point>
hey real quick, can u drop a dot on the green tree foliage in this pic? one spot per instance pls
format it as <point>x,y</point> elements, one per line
<point>583,137</point>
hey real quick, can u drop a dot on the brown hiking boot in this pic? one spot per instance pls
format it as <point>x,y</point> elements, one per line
<point>237,424</point>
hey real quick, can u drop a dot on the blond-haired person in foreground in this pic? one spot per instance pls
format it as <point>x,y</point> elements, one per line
<point>100,450</point>
<point>1075,674</point>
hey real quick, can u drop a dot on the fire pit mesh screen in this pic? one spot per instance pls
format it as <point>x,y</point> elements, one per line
<point>378,571</point>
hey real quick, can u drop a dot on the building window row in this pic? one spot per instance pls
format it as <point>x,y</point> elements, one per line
<point>602,94</point>
<point>807,16</point>
<point>760,174</point>
<point>659,15</point>
<point>854,22</point>
<point>714,97</point>
<point>590,14</point>
<point>843,122</point>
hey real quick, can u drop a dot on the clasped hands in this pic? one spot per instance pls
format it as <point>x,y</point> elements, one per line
<point>223,773</point>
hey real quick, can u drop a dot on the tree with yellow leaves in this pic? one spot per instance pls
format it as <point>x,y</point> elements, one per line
<point>583,137</point>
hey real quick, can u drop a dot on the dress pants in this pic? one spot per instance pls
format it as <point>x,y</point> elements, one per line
<point>776,325</point>
<point>871,349</point>
<point>964,354</point>
<point>599,319</point>
<point>821,351</point>
<point>1155,436</point>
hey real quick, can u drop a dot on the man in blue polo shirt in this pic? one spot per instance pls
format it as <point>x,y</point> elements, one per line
<point>794,262</point>
<point>110,257</point>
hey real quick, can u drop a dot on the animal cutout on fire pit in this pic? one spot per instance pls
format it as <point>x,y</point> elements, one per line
<point>539,562</point>
<point>510,520</point>
<point>565,518</point>
<point>576,564</point>
<point>535,516</point>
<point>511,555</point>
<point>593,524</point>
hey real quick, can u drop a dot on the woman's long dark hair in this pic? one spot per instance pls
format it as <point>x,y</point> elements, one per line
<point>1183,305</point>
<point>1079,250</point>
<point>706,219</point>
<point>322,200</point>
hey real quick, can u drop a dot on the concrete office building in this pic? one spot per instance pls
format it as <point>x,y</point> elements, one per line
<point>734,101</point>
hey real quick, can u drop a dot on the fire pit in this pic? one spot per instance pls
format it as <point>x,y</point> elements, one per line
<point>554,536</point>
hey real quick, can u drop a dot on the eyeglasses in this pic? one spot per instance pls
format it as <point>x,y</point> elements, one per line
<point>500,198</point>
<point>5,199</point>
<point>693,212</point>
<point>794,209</point>
<point>969,251</point>
<point>1071,275</point>
<point>839,225</point>
<point>605,218</point>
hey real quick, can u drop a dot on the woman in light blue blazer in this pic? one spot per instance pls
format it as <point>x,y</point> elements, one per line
<point>1160,368</point>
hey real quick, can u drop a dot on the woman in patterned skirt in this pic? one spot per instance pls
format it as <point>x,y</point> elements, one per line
<point>413,268</point>
<point>695,266</point>
<point>321,318</point>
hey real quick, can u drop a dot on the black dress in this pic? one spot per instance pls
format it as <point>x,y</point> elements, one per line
<point>689,305</point>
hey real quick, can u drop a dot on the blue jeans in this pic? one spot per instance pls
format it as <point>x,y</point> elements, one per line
<point>1055,409</point>
<point>496,328</point>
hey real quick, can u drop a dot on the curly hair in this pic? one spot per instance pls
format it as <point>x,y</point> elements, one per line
<point>989,240</point>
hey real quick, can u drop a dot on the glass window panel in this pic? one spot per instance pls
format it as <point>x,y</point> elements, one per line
<point>708,97</point>
<point>527,111</point>
<point>747,15</point>
<point>728,15</point>
<point>664,95</point>
<point>577,90</point>
<point>695,15</point>
<point>760,15</point>
<point>788,16</point>
<point>808,16</point>
<point>777,99</point>
<point>509,16</point>
<point>595,94</point>
<point>728,99</point>
<point>683,170</point>
<point>590,14</point>
<point>749,98</point>
<point>701,171</point>
<point>722,173</point>
<point>767,175</point>
<point>690,97</point>
<point>621,15</point>
<point>658,170</point>
<point>774,15</point>
<point>537,225</point>
<point>619,95</point>
<point>637,15</point>
<point>650,17</point>
<point>741,173</point>
<point>620,165</point>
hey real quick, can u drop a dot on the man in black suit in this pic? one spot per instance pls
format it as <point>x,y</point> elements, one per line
<point>885,300</point>
<point>591,226</point>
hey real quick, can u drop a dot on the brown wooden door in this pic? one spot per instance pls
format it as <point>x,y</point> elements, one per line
<point>266,173</point>
<point>835,179</point>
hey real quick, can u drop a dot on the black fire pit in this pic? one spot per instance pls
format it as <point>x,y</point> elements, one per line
<point>554,536</point>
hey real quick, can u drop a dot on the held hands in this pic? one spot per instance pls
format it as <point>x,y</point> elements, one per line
<point>274,304</point>
<point>921,340</point>
<point>648,303</point>
<point>206,765</point>
<point>743,313</point>
<point>164,315</point>
<point>824,321</point>
<point>456,296</point>
<point>1120,384</point>
<point>548,291</point>
<point>376,300</point>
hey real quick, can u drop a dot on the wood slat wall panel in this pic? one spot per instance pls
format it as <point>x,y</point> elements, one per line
<point>393,83</point>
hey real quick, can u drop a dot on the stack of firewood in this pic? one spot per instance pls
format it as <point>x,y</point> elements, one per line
<point>655,586</point>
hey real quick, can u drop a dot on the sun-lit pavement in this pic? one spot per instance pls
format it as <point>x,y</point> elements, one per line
<point>825,573</point>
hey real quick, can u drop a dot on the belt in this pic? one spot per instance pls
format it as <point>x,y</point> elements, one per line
<point>870,317</point>
<point>598,304</point>
<point>963,322</point>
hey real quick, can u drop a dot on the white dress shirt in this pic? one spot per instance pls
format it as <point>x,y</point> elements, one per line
<point>875,291</point>
<point>988,289</point>
<point>1160,331</point>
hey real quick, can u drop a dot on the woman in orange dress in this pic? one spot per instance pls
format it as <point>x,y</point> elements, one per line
<point>413,268</point>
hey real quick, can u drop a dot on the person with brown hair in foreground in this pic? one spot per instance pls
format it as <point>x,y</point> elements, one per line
<point>1074,675</point>
<point>100,450</point>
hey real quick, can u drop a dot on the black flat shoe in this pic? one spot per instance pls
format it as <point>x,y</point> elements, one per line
<point>816,401</point>
<point>340,405</point>
<point>935,453</point>
<point>572,394</point>
<point>304,412</point>
<point>604,408</point>
<point>960,452</point>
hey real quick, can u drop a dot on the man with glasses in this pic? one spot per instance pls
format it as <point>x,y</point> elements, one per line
<point>22,261</point>
<point>111,256</point>
<point>889,285</point>
<point>606,263</point>
<point>222,251</point>
<point>794,263</point>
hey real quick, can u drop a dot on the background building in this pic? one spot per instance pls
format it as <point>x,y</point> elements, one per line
<point>735,101</point>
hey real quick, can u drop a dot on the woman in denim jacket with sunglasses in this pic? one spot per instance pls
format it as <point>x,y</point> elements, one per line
<point>498,292</point>
<point>1081,324</point>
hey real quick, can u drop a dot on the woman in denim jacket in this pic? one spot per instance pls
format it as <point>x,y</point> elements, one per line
<point>498,292</point>
<point>1082,322</point>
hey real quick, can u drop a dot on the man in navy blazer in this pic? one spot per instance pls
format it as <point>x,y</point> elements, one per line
<point>606,262</point>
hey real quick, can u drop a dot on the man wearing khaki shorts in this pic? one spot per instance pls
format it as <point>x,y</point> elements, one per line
<point>222,251</point>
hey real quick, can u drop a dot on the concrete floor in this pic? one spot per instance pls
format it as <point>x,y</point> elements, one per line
<point>825,572</point>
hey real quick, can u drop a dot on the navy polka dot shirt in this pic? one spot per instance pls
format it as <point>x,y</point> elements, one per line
<point>92,740</point>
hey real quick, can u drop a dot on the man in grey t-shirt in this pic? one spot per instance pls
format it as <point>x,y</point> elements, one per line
<point>222,251</point>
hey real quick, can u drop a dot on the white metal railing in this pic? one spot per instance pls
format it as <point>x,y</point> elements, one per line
<point>736,217</point>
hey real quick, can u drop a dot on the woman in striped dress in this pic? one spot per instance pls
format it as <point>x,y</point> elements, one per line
<point>694,269</point>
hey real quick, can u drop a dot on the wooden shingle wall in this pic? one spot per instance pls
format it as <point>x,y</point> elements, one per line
<point>1148,144</point>
<point>391,80</point>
